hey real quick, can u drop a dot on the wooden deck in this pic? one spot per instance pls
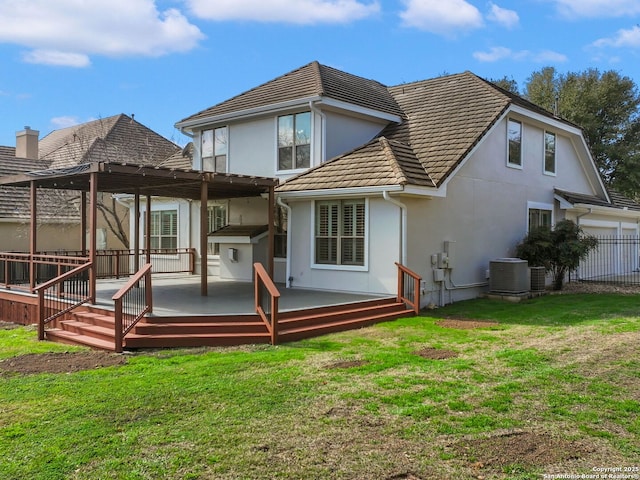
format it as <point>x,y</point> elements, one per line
<point>183,318</point>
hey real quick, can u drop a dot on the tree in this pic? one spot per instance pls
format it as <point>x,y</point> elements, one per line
<point>559,250</point>
<point>607,107</point>
<point>508,84</point>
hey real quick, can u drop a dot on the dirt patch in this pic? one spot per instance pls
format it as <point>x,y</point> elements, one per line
<point>59,362</point>
<point>347,364</point>
<point>465,324</point>
<point>520,448</point>
<point>436,353</point>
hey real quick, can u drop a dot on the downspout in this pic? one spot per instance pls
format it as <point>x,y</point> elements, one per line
<point>582,215</point>
<point>287,274</point>
<point>323,132</point>
<point>403,229</point>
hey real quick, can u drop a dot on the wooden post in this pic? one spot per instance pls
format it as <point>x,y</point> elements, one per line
<point>204,227</point>
<point>147,240</point>
<point>271,247</point>
<point>136,232</point>
<point>118,325</point>
<point>33,243</point>
<point>93,225</point>
<point>83,223</point>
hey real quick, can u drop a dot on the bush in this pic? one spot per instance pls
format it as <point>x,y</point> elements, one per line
<point>559,250</point>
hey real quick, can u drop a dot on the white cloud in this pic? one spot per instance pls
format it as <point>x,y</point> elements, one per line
<point>443,18</point>
<point>68,32</point>
<point>302,12</point>
<point>624,38</point>
<point>597,8</point>
<point>64,122</point>
<point>496,54</point>
<point>52,57</point>
<point>502,16</point>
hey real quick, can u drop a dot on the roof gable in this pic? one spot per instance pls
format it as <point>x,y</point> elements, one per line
<point>310,81</point>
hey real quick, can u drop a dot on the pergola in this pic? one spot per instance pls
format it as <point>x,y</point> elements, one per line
<point>149,181</point>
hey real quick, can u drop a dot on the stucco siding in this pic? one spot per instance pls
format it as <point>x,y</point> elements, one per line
<point>383,250</point>
<point>252,147</point>
<point>346,133</point>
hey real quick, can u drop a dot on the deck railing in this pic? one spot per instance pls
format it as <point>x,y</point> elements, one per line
<point>16,273</point>
<point>132,302</point>
<point>16,269</point>
<point>409,287</point>
<point>266,300</point>
<point>62,294</point>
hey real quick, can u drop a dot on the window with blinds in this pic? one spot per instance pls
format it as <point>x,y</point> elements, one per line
<point>340,232</point>
<point>164,229</point>
<point>217,218</point>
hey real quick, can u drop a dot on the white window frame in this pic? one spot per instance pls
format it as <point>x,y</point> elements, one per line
<point>163,207</point>
<point>510,164</point>
<point>210,205</point>
<point>213,158</point>
<point>340,267</point>
<point>540,206</point>
<point>551,173</point>
<point>277,146</point>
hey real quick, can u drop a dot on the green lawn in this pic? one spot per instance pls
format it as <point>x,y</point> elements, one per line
<point>552,387</point>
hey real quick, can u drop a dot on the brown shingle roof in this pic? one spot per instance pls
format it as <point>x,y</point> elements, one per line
<point>444,119</point>
<point>311,80</point>
<point>379,163</point>
<point>14,202</point>
<point>617,200</point>
<point>119,139</point>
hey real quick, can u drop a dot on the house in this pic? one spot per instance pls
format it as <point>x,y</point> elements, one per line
<point>60,220</point>
<point>442,175</point>
<point>118,138</point>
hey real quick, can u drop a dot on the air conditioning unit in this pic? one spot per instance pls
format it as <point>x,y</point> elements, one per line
<point>538,279</point>
<point>509,276</point>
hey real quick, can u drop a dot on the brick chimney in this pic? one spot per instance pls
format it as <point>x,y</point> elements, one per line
<point>27,143</point>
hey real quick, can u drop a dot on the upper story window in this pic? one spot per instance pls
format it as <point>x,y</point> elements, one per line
<point>294,141</point>
<point>550,153</point>
<point>215,148</point>
<point>514,137</point>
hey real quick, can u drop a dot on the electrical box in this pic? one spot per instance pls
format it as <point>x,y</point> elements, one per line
<point>443,260</point>
<point>438,274</point>
<point>233,254</point>
<point>434,260</point>
<point>450,250</point>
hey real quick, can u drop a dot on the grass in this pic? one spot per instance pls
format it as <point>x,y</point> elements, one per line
<point>564,367</point>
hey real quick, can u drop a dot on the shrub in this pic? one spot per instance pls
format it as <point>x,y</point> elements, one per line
<point>559,250</point>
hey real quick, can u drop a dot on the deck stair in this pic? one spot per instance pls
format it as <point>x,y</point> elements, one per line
<point>94,327</point>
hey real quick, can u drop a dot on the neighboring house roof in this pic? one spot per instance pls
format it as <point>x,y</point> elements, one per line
<point>14,202</point>
<point>310,81</point>
<point>119,139</point>
<point>617,200</point>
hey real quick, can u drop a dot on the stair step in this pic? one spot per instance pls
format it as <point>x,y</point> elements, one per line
<point>75,326</point>
<point>195,340</point>
<point>297,332</point>
<point>339,307</point>
<point>184,328</point>
<point>352,312</point>
<point>73,338</point>
<point>226,319</point>
<point>98,319</point>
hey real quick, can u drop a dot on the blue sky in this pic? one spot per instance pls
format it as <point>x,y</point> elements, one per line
<point>70,61</point>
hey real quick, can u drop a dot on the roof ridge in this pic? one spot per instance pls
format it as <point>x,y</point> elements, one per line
<point>393,161</point>
<point>319,77</point>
